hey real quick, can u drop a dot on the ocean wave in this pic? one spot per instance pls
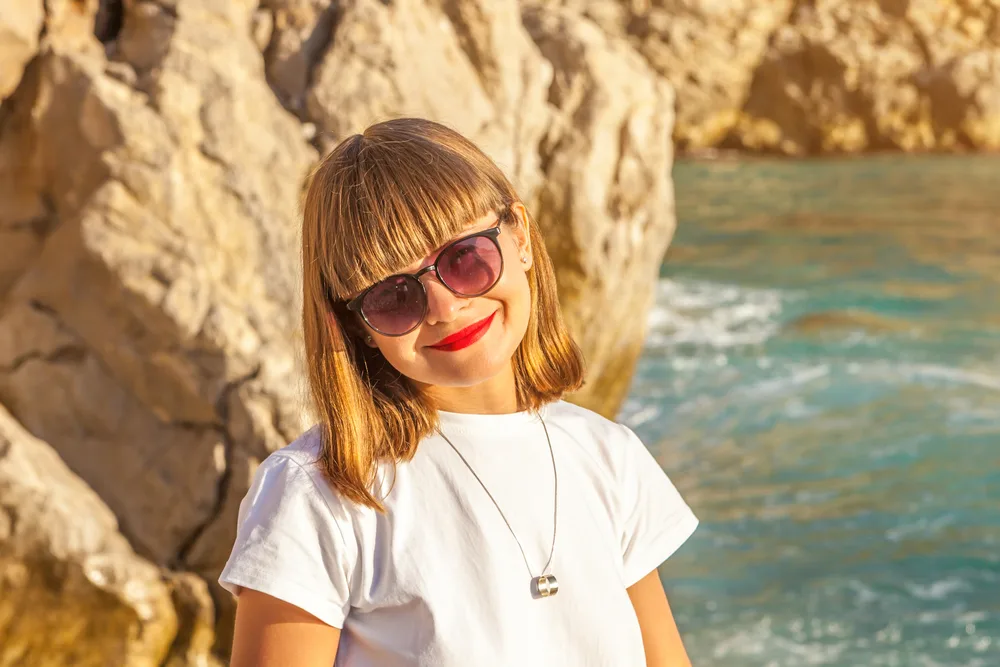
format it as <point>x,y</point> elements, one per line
<point>911,372</point>
<point>938,590</point>
<point>715,315</point>
<point>761,639</point>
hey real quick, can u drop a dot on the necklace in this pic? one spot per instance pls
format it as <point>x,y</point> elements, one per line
<point>543,585</point>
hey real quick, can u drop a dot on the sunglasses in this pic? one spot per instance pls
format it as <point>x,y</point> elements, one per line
<point>470,266</point>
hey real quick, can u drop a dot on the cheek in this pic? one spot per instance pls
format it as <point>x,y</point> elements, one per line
<point>517,300</point>
<point>397,351</point>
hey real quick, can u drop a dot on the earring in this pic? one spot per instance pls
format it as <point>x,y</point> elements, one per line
<point>524,259</point>
<point>369,339</point>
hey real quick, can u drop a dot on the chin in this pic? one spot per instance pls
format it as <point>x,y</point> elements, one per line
<point>466,375</point>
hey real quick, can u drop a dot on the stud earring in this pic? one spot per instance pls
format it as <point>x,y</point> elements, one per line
<point>369,339</point>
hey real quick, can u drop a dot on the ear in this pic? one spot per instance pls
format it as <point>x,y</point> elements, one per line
<point>356,328</point>
<point>361,331</point>
<point>522,234</point>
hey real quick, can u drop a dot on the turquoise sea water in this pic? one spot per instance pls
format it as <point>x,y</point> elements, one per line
<point>822,381</point>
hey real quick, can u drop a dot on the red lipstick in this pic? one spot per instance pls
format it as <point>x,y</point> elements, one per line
<point>465,337</point>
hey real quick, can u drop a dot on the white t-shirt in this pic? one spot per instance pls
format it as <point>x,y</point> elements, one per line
<point>439,579</point>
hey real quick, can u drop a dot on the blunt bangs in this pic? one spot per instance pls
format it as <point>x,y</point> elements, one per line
<point>392,197</point>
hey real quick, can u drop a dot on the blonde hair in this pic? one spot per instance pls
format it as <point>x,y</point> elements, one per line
<point>379,201</point>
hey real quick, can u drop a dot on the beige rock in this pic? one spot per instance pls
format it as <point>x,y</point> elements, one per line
<point>834,76</point>
<point>869,75</point>
<point>466,63</point>
<point>949,30</point>
<point>69,26</point>
<point>262,28</point>
<point>165,280</point>
<point>148,326</point>
<point>20,24</point>
<point>606,207</point>
<point>965,98</point>
<point>707,49</point>
<point>195,638</point>
<point>72,591</point>
<point>300,32</point>
<point>43,180</point>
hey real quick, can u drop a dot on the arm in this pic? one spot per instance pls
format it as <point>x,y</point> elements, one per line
<point>660,637</point>
<point>272,633</point>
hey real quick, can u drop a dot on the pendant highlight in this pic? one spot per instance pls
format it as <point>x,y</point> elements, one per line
<point>545,586</point>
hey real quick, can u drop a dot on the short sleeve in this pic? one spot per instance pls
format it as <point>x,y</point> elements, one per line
<point>289,543</point>
<point>655,519</point>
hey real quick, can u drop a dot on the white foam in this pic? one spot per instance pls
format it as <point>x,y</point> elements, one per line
<point>912,372</point>
<point>642,415</point>
<point>784,384</point>
<point>760,640</point>
<point>938,590</point>
<point>712,314</point>
<point>953,375</point>
<point>921,527</point>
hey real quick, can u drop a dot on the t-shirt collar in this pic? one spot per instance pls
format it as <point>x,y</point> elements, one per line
<point>464,421</point>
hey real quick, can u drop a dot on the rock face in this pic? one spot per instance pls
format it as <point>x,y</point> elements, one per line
<point>467,63</point>
<point>607,203</point>
<point>20,24</point>
<point>802,77</point>
<point>148,313</point>
<point>72,591</point>
<point>875,75</point>
<point>708,50</point>
<point>152,154</point>
<point>158,300</point>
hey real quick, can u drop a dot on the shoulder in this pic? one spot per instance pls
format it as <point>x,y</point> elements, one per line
<point>292,477</point>
<point>606,443</point>
<point>605,437</point>
<point>294,537</point>
<point>305,450</point>
<point>299,461</point>
<point>289,470</point>
<point>574,416</point>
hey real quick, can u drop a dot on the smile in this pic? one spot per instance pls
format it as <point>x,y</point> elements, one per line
<point>466,337</point>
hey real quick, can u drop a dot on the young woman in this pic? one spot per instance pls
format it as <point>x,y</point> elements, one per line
<point>448,509</point>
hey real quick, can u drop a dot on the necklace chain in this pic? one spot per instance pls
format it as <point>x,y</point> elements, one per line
<point>555,499</point>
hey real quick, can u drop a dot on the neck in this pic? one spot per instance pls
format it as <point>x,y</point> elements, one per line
<point>495,396</point>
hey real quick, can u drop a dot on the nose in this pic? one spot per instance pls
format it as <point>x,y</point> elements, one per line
<point>443,305</point>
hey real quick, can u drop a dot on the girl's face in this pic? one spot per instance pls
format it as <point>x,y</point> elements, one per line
<point>492,324</point>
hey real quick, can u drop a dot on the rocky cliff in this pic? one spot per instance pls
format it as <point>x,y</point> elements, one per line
<point>805,77</point>
<point>151,157</point>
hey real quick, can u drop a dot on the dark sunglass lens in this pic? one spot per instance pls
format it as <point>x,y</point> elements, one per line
<point>395,305</point>
<point>471,267</point>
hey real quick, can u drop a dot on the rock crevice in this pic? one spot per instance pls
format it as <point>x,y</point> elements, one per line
<point>108,21</point>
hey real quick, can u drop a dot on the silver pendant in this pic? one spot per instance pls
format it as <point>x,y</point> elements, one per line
<point>545,585</point>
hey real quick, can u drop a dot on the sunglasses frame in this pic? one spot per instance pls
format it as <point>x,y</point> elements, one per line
<point>493,234</point>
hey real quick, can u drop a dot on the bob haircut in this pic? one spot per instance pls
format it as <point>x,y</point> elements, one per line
<point>379,201</point>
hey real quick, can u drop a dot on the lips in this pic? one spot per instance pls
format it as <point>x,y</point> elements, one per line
<point>466,336</point>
